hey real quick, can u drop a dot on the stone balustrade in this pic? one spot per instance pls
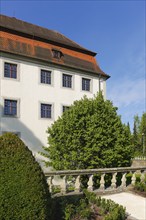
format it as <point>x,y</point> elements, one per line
<point>139,161</point>
<point>99,180</point>
<point>140,158</point>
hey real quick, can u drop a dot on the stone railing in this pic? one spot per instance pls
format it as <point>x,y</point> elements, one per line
<point>99,180</point>
<point>140,158</point>
<point>139,161</point>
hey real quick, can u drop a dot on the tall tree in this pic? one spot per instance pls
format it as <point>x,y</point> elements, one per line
<point>139,134</point>
<point>89,135</point>
<point>143,132</point>
<point>136,134</point>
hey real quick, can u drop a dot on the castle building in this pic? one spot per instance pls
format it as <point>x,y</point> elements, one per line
<point>42,73</point>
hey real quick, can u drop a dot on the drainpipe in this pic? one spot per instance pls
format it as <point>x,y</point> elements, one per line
<point>99,82</point>
<point>1,100</point>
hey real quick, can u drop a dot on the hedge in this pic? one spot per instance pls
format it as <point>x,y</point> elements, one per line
<point>23,189</point>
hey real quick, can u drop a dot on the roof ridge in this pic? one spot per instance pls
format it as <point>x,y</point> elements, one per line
<point>21,26</point>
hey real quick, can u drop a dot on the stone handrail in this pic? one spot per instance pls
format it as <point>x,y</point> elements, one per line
<point>72,179</point>
<point>140,158</point>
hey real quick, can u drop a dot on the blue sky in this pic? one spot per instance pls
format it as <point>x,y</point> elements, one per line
<point>116,30</point>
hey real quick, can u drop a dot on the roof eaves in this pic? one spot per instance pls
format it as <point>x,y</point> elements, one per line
<point>59,64</point>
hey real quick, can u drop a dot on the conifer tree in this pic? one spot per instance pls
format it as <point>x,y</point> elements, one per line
<point>139,134</point>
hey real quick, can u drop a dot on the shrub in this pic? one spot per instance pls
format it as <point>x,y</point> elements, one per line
<point>64,206</point>
<point>140,186</point>
<point>23,190</point>
<point>87,206</point>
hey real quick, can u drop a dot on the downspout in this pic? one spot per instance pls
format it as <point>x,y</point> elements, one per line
<point>1,100</point>
<point>99,82</point>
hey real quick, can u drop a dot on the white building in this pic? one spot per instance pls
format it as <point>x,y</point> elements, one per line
<point>41,73</point>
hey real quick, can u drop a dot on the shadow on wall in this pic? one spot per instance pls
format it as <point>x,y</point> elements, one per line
<point>11,124</point>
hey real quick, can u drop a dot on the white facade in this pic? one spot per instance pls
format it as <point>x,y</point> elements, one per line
<point>29,93</point>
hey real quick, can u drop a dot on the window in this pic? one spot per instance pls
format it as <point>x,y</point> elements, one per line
<point>10,70</point>
<point>10,107</point>
<point>85,84</point>
<point>46,111</point>
<point>46,77</point>
<point>64,108</point>
<point>13,132</point>
<point>67,81</point>
<point>57,54</point>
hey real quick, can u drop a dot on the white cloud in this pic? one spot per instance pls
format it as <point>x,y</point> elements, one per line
<point>127,92</point>
<point>127,86</point>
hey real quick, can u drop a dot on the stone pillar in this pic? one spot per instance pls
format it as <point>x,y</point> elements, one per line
<point>90,183</point>
<point>64,185</point>
<point>113,185</point>
<point>77,184</point>
<point>123,181</point>
<point>50,183</point>
<point>102,182</point>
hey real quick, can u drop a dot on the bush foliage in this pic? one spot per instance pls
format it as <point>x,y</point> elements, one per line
<point>141,185</point>
<point>23,189</point>
<point>89,135</point>
<point>87,206</point>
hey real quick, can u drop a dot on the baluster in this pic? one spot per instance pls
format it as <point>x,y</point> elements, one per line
<point>50,183</point>
<point>133,179</point>
<point>64,185</point>
<point>142,178</point>
<point>90,183</point>
<point>102,182</point>
<point>123,181</point>
<point>77,184</point>
<point>113,185</point>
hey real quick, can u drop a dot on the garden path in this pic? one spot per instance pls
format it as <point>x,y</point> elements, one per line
<point>135,204</point>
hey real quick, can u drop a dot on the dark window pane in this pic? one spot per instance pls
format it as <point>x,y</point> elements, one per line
<point>45,76</point>
<point>10,107</point>
<point>85,84</point>
<point>57,54</point>
<point>64,108</point>
<point>46,111</point>
<point>67,81</point>
<point>10,70</point>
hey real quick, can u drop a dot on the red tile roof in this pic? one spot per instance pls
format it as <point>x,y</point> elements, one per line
<point>21,38</point>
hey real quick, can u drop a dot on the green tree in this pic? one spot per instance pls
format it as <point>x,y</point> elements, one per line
<point>136,133</point>
<point>143,132</point>
<point>23,189</point>
<point>89,135</point>
<point>139,134</point>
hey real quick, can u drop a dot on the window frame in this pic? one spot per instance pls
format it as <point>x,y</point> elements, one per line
<point>52,110</point>
<point>65,106</point>
<point>17,107</point>
<point>18,133</point>
<point>85,89</point>
<point>69,75</point>
<point>46,71</point>
<point>11,62</point>
<point>57,54</point>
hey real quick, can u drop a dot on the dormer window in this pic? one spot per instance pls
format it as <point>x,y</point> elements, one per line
<point>57,54</point>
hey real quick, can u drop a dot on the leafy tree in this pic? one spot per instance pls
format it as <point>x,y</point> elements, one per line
<point>89,135</point>
<point>23,189</point>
